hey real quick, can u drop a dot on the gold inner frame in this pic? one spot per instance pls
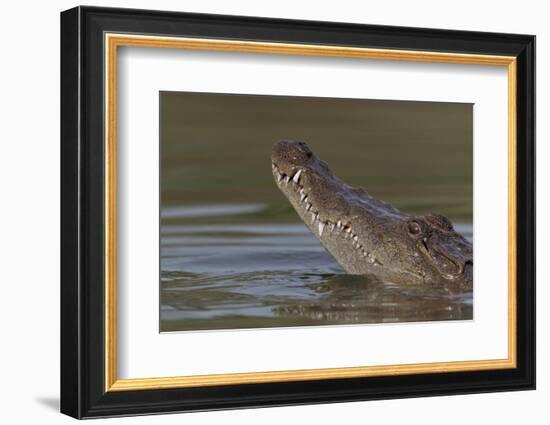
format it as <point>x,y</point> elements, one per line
<point>113,41</point>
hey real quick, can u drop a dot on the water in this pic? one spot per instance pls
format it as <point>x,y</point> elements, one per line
<point>252,273</point>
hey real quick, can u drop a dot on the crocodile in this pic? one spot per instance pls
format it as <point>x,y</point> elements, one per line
<point>368,236</point>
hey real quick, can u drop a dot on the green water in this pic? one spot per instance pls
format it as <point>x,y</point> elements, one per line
<point>234,253</point>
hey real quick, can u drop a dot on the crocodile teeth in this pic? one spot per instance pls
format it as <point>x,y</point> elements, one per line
<point>313,217</point>
<point>303,196</point>
<point>331,227</point>
<point>279,177</point>
<point>348,229</point>
<point>296,177</point>
<point>287,179</point>
<point>355,238</point>
<point>339,224</point>
<point>321,228</point>
<point>308,206</point>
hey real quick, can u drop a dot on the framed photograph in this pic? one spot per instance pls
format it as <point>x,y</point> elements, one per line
<point>261,212</point>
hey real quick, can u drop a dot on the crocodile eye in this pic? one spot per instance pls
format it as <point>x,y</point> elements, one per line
<point>414,228</point>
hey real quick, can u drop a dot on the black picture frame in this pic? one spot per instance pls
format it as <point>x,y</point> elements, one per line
<point>83,392</point>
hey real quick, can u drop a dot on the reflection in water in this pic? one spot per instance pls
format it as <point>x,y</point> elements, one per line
<point>228,276</point>
<point>211,210</point>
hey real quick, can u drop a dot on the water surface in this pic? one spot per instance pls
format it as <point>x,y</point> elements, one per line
<point>250,275</point>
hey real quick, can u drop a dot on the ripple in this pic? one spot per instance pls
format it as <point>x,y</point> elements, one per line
<point>273,275</point>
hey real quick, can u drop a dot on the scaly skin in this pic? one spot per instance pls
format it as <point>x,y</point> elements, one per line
<point>368,236</point>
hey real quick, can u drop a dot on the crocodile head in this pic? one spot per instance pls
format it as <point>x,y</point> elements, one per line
<point>366,235</point>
